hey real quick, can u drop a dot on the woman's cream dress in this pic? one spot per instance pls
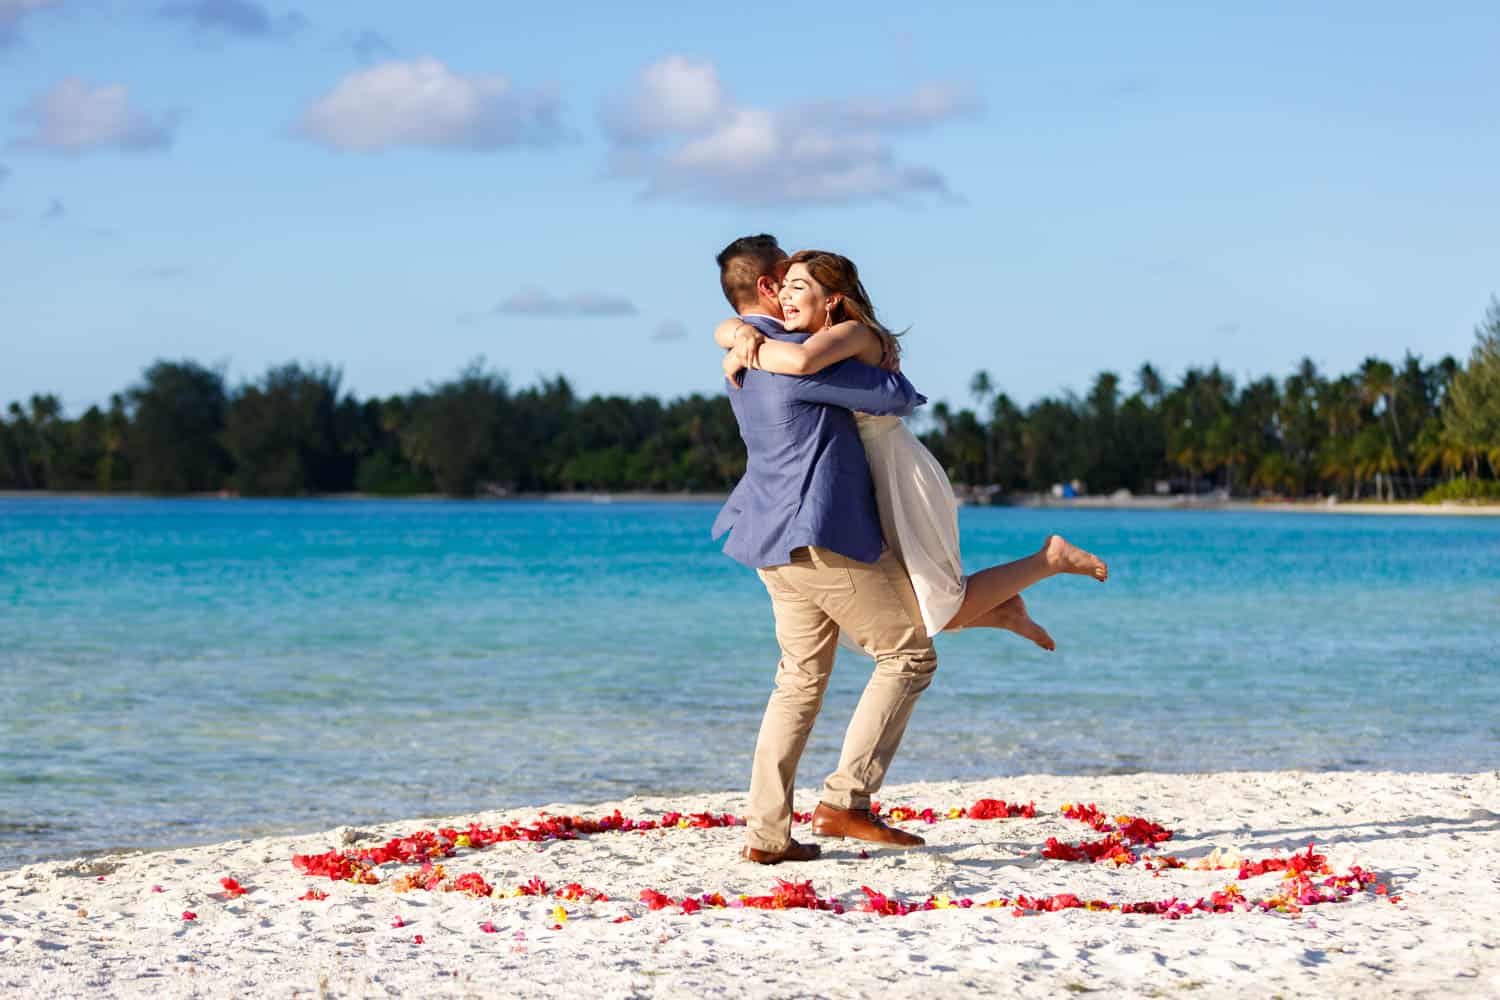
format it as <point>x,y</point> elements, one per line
<point>918,515</point>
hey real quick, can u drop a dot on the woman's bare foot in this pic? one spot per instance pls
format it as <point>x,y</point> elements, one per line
<point>1065,557</point>
<point>1012,616</point>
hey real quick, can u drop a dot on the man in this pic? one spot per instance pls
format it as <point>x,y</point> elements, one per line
<point>804,518</point>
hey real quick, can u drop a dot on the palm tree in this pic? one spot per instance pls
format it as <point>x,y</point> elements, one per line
<point>45,413</point>
<point>1254,422</point>
<point>1378,388</point>
<point>1437,449</point>
<point>1221,449</point>
<point>981,388</point>
<point>21,433</point>
<point>1374,458</point>
<point>1149,383</point>
<point>1471,407</point>
<point>1273,473</point>
<point>1339,407</point>
<point>1004,434</point>
<point>1299,423</point>
<point>1336,463</point>
<point>1185,449</point>
<point>116,433</point>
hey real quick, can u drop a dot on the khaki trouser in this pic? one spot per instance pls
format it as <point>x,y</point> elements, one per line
<point>813,596</point>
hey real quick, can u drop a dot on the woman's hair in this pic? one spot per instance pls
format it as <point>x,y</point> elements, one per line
<point>837,273</point>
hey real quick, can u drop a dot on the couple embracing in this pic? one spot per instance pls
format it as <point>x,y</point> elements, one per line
<point>852,526</point>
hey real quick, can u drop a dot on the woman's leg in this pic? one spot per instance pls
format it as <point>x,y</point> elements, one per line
<point>1013,617</point>
<point>988,589</point>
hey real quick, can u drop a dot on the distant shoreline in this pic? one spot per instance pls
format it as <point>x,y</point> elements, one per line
<point>562,497</point>
<point>1407,507</point>
<point>1137,503</point>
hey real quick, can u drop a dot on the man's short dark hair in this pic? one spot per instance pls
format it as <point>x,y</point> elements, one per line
<point>742,263</point>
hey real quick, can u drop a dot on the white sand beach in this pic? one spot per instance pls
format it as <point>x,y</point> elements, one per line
<point>1424,925</point>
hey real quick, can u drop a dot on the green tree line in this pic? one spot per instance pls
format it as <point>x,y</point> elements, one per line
<point>1387,430</point>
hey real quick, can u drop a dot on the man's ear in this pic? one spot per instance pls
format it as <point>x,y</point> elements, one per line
<point>767,286</point>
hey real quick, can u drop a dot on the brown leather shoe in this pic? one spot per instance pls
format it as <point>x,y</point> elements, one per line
<point>794,852</point>
<point>861,825</point>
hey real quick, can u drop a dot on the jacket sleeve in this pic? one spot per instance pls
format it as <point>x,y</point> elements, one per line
<point>855,385</point>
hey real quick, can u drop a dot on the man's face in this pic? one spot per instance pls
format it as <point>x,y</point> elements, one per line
<point>769,289</point>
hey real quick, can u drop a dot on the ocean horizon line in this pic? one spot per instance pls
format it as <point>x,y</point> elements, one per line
<point>967,497</point>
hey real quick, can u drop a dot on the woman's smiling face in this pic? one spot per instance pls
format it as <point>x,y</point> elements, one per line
<point>804,303</point>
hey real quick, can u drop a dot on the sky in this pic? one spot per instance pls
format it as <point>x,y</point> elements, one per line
<point>1040,191</point>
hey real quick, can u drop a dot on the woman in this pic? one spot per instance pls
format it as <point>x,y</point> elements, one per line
<point>821,294</point>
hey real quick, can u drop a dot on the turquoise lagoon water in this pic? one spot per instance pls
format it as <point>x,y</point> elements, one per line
<point>175,672</point>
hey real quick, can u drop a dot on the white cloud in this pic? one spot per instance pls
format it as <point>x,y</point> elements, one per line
<point>928,105</point>
<point>752,158</point>
<point>681,133</point>
<point>747,137</point>
<point>533,301</point>
<point>74,117</point>
<point>13,12</point>
<point>424,103</point>
<point>675,94</point>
